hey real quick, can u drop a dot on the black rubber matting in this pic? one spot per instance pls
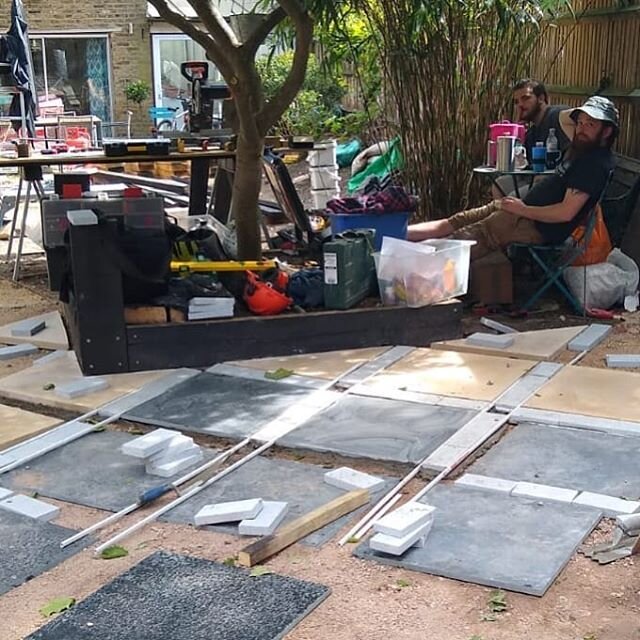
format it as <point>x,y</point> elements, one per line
<point>29,548</point>
<point>174,597</point>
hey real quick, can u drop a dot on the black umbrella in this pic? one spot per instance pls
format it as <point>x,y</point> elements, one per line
<point>14,50</point>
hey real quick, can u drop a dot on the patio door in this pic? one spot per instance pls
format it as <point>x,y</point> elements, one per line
<point>170,88</point>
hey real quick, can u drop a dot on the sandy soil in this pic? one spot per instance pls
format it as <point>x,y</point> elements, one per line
<point>368,601</point>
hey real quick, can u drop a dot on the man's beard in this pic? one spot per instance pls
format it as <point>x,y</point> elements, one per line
<point>531,115</point>
<point>584,145</point>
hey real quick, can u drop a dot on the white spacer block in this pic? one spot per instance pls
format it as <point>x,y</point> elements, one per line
<point>168,469</point>
<point>544,492</point>
<point>404,519</point>
<point>592,336</point>
<point>350,479</point>
<point>177,447</point>
<point>148,444</point>
<point>629,523</point>
<point>5,493</point>
<point>267,520</point>
<point>623,361</point>
<point>608,504</point>
<point>228,512</point>
<point>30,507</point>
<point>486,483</point>
<point>546,369</point>
<point>497,326</point>
<point>490,340</point>
<point>81,387</point>
<point>397,546</point>
<point>28,328</point>
<point>17,351</point>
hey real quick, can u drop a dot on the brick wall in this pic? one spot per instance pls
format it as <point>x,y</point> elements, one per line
<point>130,52</point>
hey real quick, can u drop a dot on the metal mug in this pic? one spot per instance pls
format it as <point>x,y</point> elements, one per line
<point>506,153</point>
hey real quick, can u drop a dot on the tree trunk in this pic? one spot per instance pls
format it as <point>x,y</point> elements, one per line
<point>246,190</point>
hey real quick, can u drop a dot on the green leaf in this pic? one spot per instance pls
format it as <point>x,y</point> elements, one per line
<point>259,570</point>
<point>115,551</point>
<point>353,540</point>
<point>48,387</point>
<point>402,583</point>
<point>229,562</point>
<point>57,605</point>
<point>497,601</point>
<point>476,637</point>
<point>34,494</point>
<point>590,636</point>
<point>278,374</point>
<point>134,431</point>
<point>488,617</point>
<point>100,429</point>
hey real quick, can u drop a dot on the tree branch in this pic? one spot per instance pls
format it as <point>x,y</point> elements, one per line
<point>260,33</point>
<point>272,111</point>
<point>201,37</point>
<point>215,22</point>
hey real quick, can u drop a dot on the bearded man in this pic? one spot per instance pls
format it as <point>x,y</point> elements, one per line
<point>553,207</point>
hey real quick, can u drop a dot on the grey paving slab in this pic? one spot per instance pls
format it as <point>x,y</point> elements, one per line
<point>379,429</point>
<point>568,458</point>
<point>30,547</point>
<point>90,471</point>
<point>184,598</point>
<point>494,539</point>
<point>17,351</point>
<point>590,337</point>
<point>299,484</point>
<point>219,405</point>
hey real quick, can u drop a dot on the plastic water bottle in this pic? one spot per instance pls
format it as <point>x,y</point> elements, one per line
<point>538,157</point>
<point>552,153</point>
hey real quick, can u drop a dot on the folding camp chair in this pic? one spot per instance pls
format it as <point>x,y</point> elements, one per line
<point>554,259</point>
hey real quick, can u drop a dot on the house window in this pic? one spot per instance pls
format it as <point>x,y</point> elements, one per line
<point>72,74</point>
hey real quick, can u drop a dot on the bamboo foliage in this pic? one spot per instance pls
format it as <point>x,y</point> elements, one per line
<point>449,67</point>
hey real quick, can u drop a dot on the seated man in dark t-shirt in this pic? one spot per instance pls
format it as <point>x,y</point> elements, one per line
<point>555,206</point>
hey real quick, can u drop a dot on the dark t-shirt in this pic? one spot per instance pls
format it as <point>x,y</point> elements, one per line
<point>587,172</point>
<point>539,132</point>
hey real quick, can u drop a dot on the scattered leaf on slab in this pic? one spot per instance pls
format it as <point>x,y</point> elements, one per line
<point>278,374</point>
<point>229,562</point>
<point>100,429</point>
<point>476,637</point>
<point>134,431</point>
<point>402,583</point>
<point>259,570</point>
<point>353,540</point>
<point>115,551</point>
<point>488,617</point>
<point>57,605</point>
<point>590,636</point>
<point>48,387</point>
<point>34,494</point>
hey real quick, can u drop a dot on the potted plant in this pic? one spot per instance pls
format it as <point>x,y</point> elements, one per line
<point>137,92</point>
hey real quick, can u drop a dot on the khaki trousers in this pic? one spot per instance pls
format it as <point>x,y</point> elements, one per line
<point>492,229</point>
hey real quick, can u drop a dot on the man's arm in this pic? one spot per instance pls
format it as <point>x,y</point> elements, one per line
<point>564,211</point>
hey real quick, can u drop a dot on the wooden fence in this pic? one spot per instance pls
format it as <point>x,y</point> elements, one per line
<point>597,53</point>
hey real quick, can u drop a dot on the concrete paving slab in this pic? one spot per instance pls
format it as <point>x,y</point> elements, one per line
<point>351,479</point>
<point>27,385</point>
<point>82,387</point>
<point>53,336</point>
<point>186,598</point>
<point>609,505</point>
<point>486,483</point>
<point>301,485</point>
<point>378,429</point>
<point>591,337</point>
<point>490,340</point>
<point>452,373</point>
<point>30,547</point>
<point>566,458</point>
<point>17,425</point>
<point>30,507</point>
<point>495,539</point>
<point>90,471</point>
<point>266,522</point>
<point>218,405</point>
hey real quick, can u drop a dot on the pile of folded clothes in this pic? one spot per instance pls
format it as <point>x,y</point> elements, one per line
<point>377,199</point>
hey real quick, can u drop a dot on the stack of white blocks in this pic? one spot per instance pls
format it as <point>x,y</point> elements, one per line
<point>165,452</point>
<point>257,517</point>
<point>407,526</point>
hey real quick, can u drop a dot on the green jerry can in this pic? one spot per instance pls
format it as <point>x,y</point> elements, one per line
<point>349,268</point>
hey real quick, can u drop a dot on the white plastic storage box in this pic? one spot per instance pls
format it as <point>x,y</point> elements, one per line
<point>324,177</point>
<point>322,196</point>
<point>418,274</point>
<point>323,154</point>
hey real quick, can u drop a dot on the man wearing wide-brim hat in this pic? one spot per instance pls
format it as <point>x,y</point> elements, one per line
<point>556,205</point>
